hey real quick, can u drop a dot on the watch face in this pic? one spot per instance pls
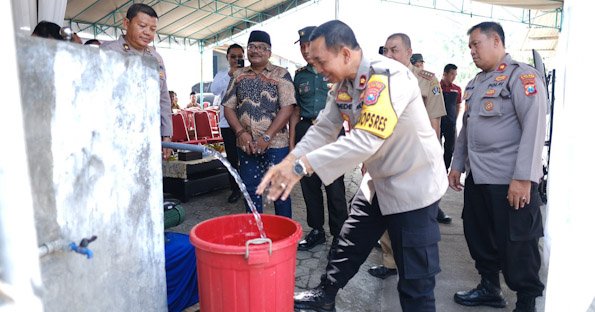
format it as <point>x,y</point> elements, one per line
<point>298,169</point>
<point>266,138</point>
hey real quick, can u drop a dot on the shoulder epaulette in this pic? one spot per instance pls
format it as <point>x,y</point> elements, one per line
<point>426,74</point>
<point>300,69</point>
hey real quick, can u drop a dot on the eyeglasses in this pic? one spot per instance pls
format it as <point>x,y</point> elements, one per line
<point>259,48</point>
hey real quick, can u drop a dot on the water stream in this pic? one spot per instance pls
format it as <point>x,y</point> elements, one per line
<point>207,151</point>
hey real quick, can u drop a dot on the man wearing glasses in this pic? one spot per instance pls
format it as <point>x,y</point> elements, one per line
<point>258,103</point>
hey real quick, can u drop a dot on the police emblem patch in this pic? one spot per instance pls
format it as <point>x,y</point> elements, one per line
<point>436,90</point>
<point>372,92</point>
<point>488,106</point>
<point>528,81</point>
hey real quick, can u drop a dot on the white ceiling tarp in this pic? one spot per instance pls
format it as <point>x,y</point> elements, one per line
<point>527,4</point>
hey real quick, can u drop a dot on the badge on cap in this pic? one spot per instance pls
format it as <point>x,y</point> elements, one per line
<point>488,106</point>
<point>502,67</point>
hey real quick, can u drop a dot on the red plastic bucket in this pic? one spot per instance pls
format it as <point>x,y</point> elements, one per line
<point>239,271</point>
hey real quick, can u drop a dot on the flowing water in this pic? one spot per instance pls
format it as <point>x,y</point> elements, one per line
<point>234,173</point>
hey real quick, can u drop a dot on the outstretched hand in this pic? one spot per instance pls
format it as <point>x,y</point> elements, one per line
<point>279,180</point>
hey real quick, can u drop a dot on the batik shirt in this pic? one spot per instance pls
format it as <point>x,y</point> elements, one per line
<point>257,99</point>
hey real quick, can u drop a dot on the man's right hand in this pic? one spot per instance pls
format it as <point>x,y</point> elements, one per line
<point>454,180</point>
<point>244,142</point>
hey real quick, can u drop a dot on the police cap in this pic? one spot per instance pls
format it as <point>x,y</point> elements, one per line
<point>417,57</point>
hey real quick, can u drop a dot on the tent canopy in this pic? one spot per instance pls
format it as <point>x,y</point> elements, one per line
<point>190,21</point>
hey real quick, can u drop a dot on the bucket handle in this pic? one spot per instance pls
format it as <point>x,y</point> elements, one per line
<point>258,241</point>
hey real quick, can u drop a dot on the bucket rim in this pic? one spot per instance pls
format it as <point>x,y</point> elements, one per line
<point>285,242</point>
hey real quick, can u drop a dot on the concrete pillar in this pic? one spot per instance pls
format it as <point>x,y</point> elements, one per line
<point>92,134</point>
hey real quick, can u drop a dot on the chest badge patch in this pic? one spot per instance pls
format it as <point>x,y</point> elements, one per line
<point>488,106</point>
<point>501,77</point>
<point>373,92</point>
<point>346,118</point>
<point>490,92</point>
<point>343,97</point>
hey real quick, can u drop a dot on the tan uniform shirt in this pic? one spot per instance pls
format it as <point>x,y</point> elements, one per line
<point>430,91</point>
<point>406,167</point>
<point>504,123</point>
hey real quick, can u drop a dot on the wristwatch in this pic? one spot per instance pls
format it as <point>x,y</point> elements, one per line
<point>299,168</point>
<point>266,138</point>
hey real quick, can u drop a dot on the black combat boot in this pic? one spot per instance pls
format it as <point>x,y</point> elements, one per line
<point>524,304</point>
<point>321,298</point>
<point>486,293</point>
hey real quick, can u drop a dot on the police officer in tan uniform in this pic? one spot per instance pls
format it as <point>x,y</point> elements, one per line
<point>141,25</point>
<point>398,48</point>
<point>405,178</point>
<point>500,147</point>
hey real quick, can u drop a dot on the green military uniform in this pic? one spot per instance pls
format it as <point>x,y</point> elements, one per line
<point>311,90</point>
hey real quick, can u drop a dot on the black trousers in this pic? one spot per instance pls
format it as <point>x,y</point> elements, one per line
<point>502,238</point>
<point>313,197</point>
<point>414,236</point>
<point>448,131</point>
<point>229,140</point>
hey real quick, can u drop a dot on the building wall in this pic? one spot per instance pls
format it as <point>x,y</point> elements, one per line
<point>91,122</point>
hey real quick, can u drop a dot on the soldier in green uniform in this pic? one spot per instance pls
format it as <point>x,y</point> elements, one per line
<point>311,90</point>
<point>141,26</point>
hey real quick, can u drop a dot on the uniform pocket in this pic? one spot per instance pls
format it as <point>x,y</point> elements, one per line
<point>491,102</point>
<point>420,252</point>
